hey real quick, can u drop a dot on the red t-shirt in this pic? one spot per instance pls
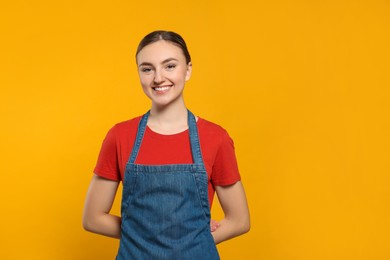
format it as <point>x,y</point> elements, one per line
<point>157,149</point>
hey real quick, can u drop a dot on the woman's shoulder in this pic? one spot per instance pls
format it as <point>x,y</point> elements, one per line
<point>209,125</point>
<point>214,139</point>
<point>211,129</point>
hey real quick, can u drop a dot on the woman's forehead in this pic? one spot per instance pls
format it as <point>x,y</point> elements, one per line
<point>160,51</point>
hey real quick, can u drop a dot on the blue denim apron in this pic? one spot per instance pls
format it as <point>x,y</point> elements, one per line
<point>165,208</point>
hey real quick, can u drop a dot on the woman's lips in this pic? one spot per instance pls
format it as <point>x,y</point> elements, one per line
<point>161,89</point>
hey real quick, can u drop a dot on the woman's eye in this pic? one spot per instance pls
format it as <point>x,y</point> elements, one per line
<point>171,66</point>
<point>146,69</point>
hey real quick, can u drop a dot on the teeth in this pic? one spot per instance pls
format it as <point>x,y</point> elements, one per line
<point>161,88</point>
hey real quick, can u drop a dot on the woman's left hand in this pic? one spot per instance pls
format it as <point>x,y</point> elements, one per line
<point>235,208</point>
<point>214,225</point>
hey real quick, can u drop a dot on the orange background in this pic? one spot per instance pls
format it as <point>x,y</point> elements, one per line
<point>301,86</point>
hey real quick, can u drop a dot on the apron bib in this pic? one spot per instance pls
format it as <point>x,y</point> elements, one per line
<point>165,208</point>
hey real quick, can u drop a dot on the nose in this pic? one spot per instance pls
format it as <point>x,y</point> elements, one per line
<point>158,77</point>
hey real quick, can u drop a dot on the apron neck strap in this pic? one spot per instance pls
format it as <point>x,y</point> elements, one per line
<point>193,134</point>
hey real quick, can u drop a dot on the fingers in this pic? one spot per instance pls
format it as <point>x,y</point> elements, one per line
<point>214,225</point>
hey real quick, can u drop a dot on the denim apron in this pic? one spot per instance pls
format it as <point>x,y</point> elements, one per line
<point>165,208</point>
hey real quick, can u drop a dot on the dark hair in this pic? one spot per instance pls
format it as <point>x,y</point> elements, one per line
<point>167,36</point>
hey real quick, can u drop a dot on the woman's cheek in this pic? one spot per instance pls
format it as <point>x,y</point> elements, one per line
<point>144,83</point>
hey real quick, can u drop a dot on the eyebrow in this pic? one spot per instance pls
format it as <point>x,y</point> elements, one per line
<point>163,62</point>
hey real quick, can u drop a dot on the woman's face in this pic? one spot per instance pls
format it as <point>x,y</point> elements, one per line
<point>163,71</point>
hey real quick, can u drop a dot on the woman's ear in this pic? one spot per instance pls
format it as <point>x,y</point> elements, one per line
<point>189,71</point>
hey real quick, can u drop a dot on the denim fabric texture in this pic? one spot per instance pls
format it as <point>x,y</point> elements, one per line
<point>165,209</point>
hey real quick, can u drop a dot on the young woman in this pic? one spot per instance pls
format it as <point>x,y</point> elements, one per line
<point>171,164</point>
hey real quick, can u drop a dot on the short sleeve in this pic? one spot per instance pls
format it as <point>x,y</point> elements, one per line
<point>107,165</point>
<point>225,169</point>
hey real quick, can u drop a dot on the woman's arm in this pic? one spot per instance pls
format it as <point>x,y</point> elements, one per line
<point>234,205</point>
<point>96,217</point>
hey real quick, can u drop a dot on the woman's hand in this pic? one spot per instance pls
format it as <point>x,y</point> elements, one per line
<point>234,205</point>
<point>214,225</point>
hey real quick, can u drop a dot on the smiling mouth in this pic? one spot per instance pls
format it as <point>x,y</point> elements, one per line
<point>160,88</point>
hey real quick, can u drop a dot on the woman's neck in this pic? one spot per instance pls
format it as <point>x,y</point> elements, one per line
<point>170,119</point>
